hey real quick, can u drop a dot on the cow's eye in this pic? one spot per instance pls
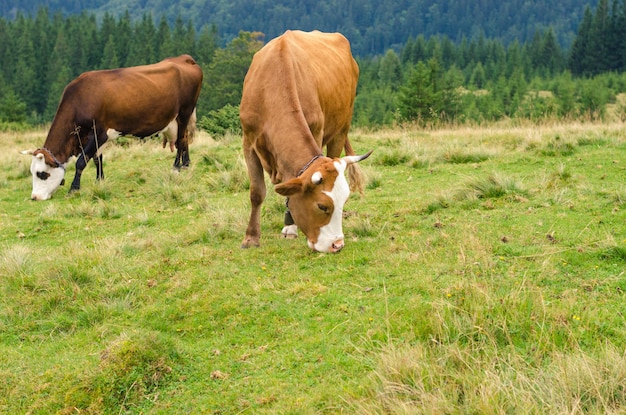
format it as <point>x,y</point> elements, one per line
<point>323,208</point>
<point>43,175</point>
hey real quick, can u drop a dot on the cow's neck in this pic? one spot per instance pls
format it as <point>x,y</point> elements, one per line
<point>296,165</point>
<point>62,139</point>
<point>299,149</point>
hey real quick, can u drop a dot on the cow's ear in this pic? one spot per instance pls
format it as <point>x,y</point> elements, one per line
<point>289,188</point>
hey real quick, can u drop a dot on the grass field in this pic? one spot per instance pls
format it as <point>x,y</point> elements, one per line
<point>484,272</point>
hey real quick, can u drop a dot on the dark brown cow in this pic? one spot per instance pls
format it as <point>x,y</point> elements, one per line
<point>298,96</point>
<point>138,101</point>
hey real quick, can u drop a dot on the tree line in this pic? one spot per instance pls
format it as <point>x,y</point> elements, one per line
<point>427,80</point>
<point>373,26</point>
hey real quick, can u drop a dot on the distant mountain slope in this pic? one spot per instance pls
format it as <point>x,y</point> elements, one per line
<point>371,25</point>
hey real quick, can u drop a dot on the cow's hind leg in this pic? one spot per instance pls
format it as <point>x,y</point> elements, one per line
<point>257,196</point>
<point>182,156</point>
<point>185,133</point>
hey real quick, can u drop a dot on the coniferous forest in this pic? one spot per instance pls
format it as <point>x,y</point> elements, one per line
<point>426,78</point>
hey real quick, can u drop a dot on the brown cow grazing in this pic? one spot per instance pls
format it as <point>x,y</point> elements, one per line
<point>298,96</point>
<point>138,101</point>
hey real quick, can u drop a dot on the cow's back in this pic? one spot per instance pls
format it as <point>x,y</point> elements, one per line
<point>311,74</point>
<point>128,94</point>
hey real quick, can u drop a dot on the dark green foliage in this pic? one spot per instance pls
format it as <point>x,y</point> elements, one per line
<point>12,109</point>
<point>372,26</point>
<point>219,122</point>
<point>223,77</point>
<point>428,96</point>
<point>425,77</point>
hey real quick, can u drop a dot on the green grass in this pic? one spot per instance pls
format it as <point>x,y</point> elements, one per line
<point>484,272</point>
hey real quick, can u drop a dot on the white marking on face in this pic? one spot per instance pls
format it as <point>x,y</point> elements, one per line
<point>331,235</point>
<point>46,179</point>
<point>316,178</point>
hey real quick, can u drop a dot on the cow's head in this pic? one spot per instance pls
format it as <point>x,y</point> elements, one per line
<point>316,199</point>
<point>48,173</point>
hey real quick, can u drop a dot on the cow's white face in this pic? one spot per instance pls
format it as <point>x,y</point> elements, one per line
<point>330,238</point>
<point>46,178</point>
<point>316,201</point>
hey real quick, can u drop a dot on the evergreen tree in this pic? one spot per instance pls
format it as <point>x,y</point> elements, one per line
<point>43,41</point>
<point>141,48</point>
<point>550,57</point>
<point>564,90</point>
<point>105,39</point>
<point>208,42</point>
<point>7,50</point>
<point>12,108</point>
<point>63,77</point>
<point>415,98</point>
<point>122,35</point>
<point>579,61</point>
<point>110,59</point>
<point>478,79</point>
<point>599,39</point>
<point>616,36</point>
<point>224,75</point>
<point>428,96</point>
<point>24,77</point>
<point>390,72</point>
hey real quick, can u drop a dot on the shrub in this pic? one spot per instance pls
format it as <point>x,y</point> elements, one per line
<point>222,121</point>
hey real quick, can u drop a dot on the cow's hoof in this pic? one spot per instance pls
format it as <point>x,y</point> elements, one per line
<point>250,243</point>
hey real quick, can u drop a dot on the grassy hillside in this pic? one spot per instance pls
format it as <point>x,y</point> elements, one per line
<point>484,272</point>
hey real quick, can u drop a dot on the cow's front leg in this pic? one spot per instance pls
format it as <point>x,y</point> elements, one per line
<point>81,163</point>
<point>290,230</point>
<point>88,152</point>
<point>99,168</point>
<point>257,196</point>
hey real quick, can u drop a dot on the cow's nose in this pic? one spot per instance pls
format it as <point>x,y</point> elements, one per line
<point>337,245</point>
<point>34,197</point>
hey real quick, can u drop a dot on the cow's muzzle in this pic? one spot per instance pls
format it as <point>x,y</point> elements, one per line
<point>337,246</point>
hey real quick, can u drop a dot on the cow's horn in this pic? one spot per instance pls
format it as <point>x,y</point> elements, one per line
<point>356,159</point>
<point>27,152</point>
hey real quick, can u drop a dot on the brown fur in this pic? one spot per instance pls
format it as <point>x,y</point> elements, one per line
<point>298,97</point>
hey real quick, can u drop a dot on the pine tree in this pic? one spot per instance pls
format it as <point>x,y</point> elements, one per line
<point>141,48</point>
<point>224,76</point>
<point>599,39</point>
<point>12,108</point>
<point>208,42</point>
<point>579,62</point>
<point>390,72</point>
<point>24,76</point>
<point>110,59</point>
<point>63,77</point>
<point>123,33</point>
<point>550,58</point>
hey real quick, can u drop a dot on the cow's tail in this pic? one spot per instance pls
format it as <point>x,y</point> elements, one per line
<point>355,174</point>
<point>191,127</point>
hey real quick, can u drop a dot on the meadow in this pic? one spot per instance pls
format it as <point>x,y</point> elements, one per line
<point>484,272</point>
